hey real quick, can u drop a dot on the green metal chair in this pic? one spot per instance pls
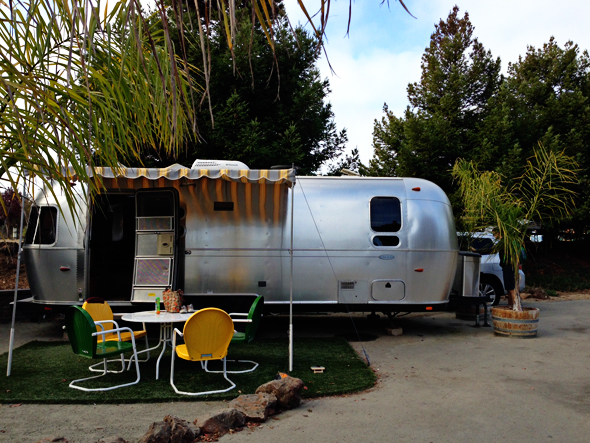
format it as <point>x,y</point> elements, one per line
<point>103,316</point>
<point>83,337</point>
<point>252,321</point>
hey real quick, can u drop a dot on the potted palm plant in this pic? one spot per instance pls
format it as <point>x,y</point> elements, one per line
<point>542,193</point>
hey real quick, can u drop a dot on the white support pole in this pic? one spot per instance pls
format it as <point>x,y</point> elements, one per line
<point>20,248</point>
<point>291,286</point>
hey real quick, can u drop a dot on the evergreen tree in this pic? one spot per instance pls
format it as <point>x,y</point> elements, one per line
<point>351,162</point>
<point>448,104</point>
<point>268,106</point>
<point>546,97</point>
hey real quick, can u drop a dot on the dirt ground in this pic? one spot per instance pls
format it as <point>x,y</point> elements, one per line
<point>561,296</point>
<point>8,259</point>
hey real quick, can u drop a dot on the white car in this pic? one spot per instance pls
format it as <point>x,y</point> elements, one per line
<point>491,281</point>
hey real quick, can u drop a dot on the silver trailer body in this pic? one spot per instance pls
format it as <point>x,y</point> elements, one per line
<point>359,244</point>
<point>54,249</point>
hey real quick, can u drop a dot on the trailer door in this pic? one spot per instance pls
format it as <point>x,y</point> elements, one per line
<point>386,226</point>
<point>51,256</point>
<point>155,244</point>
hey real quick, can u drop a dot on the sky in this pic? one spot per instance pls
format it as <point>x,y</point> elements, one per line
<point>382,54</point>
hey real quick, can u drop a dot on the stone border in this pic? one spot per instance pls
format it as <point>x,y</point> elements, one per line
<point>270,399</point>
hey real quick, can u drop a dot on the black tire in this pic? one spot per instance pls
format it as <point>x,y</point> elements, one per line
<point>490,288</point>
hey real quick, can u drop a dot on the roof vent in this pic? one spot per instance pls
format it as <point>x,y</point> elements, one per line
<point>218,164</point>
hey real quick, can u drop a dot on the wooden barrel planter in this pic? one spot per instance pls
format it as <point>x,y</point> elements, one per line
<point>509,323</point>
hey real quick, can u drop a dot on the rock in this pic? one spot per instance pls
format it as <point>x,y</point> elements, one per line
<point>181,431</point>
<point>255,407</point>
<point>287,390</point>
<point>159,432</point>
<point>222,422</point>
<point>395,332</point>
<point>171,430</point>
<point>114,439</point>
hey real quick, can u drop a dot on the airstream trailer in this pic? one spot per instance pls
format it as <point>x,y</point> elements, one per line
<point>219,229</point>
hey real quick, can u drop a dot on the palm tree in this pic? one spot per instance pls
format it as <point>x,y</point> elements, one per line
<point>82,87</point>
<point>541,194</point>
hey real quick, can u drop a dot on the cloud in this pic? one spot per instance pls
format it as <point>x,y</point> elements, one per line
<point>382,55</point>
<point>362,85</point>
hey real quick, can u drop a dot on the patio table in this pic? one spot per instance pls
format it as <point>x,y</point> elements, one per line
<point>165,320</point>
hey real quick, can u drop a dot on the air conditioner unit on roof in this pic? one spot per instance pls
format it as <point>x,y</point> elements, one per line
<point>218,164</point>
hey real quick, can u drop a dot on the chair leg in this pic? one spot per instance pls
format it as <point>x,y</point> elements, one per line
<point>122,360</point>
<point>233,385</point>
<point>74,385</point>
<point>104,372</point>
<point>172,370</point>
<point>254,366</point>
<point>147,349</point>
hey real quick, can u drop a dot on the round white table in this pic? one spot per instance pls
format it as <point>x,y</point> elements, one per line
<point>165,320</point>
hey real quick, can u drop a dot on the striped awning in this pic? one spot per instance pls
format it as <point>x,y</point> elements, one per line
<point>177,172</point>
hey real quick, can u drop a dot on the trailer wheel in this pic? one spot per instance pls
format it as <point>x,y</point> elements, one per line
<point>491,289</point>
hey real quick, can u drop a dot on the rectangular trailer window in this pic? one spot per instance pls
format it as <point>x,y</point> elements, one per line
<point>155,204</point>
<point>386,240</point>
<point>42,227</point>
<point>386,214</point>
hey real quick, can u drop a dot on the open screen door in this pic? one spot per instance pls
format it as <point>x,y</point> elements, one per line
<point>155,244</point>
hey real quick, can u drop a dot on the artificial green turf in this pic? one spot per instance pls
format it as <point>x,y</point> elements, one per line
<point>42,371</point>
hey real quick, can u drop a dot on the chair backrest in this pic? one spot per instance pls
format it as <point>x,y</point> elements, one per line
<point>207,334</point>
<point>80,327</point>
<point>255,314</point>
<point>99,310</point>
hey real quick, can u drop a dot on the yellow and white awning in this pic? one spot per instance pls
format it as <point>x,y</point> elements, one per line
<point>178,172</point>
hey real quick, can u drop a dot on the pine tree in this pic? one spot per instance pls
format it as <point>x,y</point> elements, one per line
<point>448,104</point>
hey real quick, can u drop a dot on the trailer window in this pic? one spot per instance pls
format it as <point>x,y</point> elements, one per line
<point>223,206</point>
<point>42,227</point>
<point>385,214</point>
<point>155,204</point>
<point>386,240</point>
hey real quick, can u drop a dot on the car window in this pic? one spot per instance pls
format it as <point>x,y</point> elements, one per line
<point>483,246</point>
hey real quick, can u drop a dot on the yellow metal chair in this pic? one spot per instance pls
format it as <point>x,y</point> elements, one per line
<point>102,314</point>
<point>207,334</point>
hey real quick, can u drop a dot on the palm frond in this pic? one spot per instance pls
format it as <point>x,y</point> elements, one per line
<point>542,193</point>
<point>79,89</point>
